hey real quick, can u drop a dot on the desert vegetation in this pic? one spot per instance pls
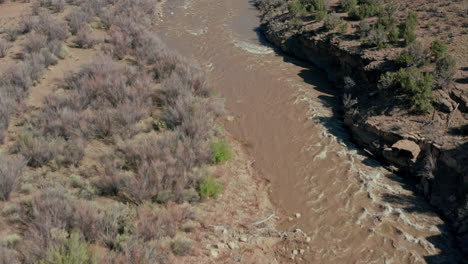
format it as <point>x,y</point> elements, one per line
<point>116,157</point>
<point>379,27</point>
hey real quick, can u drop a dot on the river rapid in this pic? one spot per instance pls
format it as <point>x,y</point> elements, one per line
<point>354,210</point>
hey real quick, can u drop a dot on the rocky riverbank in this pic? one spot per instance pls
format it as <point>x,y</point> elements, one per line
<point>432,148</point>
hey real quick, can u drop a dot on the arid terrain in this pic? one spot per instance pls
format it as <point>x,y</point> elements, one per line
<point>112,147</point>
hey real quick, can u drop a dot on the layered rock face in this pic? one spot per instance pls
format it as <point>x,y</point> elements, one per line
<point>415,146</point>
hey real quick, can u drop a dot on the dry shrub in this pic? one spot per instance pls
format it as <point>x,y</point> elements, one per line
<point>48,212</point>
<point>78,19</point>
<point>4,46</point>
<point>10,171</point>
<point>139,252</point>
<point>87,218</point>
<point>121,42</point>
<point>84,39</point>
<point>7,107</point>
<point>154,222</point>
<point>16,80</point>
<point>8,256</point>
<point>55,6</point>
<point>39,150</point>
<point>50,27</point>
<point>162,163</point>
<point>34,42</point>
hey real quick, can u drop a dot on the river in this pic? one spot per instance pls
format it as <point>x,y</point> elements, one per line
<point>354,210</point>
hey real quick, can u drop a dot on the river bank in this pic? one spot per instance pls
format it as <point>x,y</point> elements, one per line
<point>416,146</point>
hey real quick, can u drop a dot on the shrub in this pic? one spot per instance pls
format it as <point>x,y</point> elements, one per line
<point>377,37</point>
<point>387,22</point>
<point>38,151</point>
<point>8,256</point>
<point>408,29</point>
<point>415,56</point>
<point>10,171</point>
<point>181,247</point>
<point>46,217</point>
<point>445,70</point>
<point>34,42</point>
<point>83,39</point>
<point>364,28</point>
<point>343,28</point>
<point>209,188</point>
<point>320,9</point>
<point>7,107</point>
<point>320,15</point>
<point>4,46</point>
<point>296,8</point>
<point>394,35</point>
<point>348,5</point>
<point>162,163</point>
<point>77,19</point>
<point>365,11</point>
<point>331,22</point>
<point>221,151</point>
<point>387,80</point>
<point>50,27</point>
<point>438,49</point>
<point>55,6</point>
<point>419,87</point>
<point>73,251</point>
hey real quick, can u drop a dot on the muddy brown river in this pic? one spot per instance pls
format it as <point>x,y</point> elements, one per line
<point>354,210</point>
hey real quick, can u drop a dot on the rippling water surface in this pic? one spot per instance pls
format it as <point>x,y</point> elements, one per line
<point>353,210</point>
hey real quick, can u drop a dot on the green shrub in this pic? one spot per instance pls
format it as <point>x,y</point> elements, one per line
<point>438,49</point>
<point>445,70</point>
<point>221,151</point>
<point>294,23</point>
<point>387,22</point>
<point>343,28</point>
<point>393,35</point>
<point>209,188</point>
<point>331,22</point>
<point>415,55</point>
<point>348,5</point>
<point>365,11</point>
<point>320,9</point>
<point>418,86</point>
<point>297,8</point>
<point>74,251</point>
<point>408,29</point>
<point>386,81</point>
<point>320,15</point>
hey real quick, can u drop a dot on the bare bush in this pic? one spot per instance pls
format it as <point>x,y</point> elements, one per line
<point>78,19</point>
<point>34,42</point>
<point>8,256</point>
<point>83,39</point>
<point>38,151</point>
<point>162,163</point>
<point>7,106</point>
<point>87,218</point>
<point>50,27</point>
<point>10,170</point>
<point>54,5</point>
<point>16,79</point>
<point>49,212</point>
<point>121,42</point>
<point>4,46</point>
<point>154,223</point>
